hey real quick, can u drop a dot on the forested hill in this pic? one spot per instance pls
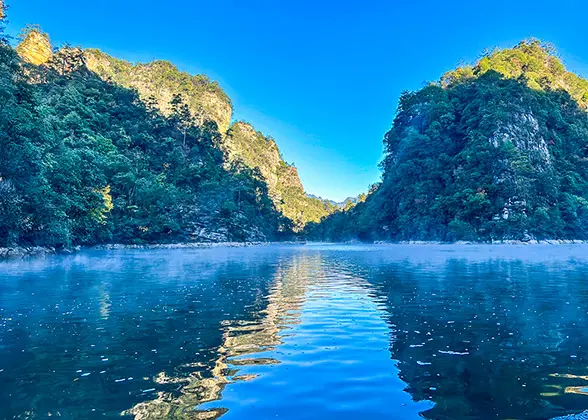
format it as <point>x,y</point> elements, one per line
<point>284,186</point>
<point>94,149</point>
<point>493,151</point>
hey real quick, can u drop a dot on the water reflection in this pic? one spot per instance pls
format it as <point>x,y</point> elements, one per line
<point>244,343</point>
<point>315,332</point>
<point>499,337</point>
<point>88,335</point>
<point>320,345</point>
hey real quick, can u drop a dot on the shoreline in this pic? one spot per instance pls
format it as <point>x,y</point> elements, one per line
<point>179,245</point>
<point>497,242</point>
<point>19,252</point>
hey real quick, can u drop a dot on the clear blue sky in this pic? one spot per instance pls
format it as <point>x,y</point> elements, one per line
<point>321,77</point>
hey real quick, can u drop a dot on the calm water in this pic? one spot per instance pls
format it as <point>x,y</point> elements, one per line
<point>397,332</point>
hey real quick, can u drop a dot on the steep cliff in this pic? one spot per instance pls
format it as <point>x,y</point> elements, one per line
<point>34,47</point>
<point>257,151</point>
<point>493,151</point>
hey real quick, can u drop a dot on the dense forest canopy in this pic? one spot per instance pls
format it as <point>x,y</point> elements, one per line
<point>493,151</point>
<point>95,149</point>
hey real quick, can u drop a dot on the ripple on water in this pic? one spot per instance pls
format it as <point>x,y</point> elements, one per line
<point>314,332</point>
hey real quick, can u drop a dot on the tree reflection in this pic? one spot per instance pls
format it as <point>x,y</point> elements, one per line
<point>245,343</point>
<point>488,339</point>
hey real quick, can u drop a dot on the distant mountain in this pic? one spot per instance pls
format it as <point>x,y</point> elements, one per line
<point>348,202</point>
<point>497,150</point>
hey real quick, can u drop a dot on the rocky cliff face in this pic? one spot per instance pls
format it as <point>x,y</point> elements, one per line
<point>160,81</point>
<point>523,132</point>
<point>493,151</point>
<point>35,47</point>
<point>257,151</point>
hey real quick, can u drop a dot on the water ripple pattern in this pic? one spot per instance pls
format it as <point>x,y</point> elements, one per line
<point>317,331</point>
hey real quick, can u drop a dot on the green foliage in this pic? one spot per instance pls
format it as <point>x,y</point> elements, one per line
<point>85,161</point>
<point>159,81</point>
<point>259,152</point>
<point>497,150</point>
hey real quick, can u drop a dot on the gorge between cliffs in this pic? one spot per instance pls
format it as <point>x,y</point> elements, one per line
<point>99,150</point>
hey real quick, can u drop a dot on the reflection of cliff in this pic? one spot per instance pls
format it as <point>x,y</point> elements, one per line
<point>484,339</point>
<point>244,343</point>
<point>131,314</point>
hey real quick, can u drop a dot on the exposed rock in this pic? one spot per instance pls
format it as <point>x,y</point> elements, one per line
<point>524,134</point>
<point>256,151</point>
<point>203,234</point>
<point>522,131</point>
<point>22,252</point>
<point>35,47</point>
<point>285,189</point>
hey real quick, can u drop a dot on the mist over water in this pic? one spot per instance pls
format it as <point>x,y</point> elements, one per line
<point>316,331</point>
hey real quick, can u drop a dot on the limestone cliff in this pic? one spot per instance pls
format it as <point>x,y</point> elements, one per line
<point>161,80</point>
<point>257,151</point>
<point>35,47</point>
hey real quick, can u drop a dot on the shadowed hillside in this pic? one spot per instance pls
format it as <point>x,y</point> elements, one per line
<point>96,149</point>
<point>85,161</point>
<point>493,151</point>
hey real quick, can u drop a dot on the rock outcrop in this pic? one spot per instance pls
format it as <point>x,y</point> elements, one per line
<point>259,152</point>
<point>35,47</point>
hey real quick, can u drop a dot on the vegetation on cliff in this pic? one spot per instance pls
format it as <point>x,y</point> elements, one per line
<point>94,149</point>
<point>498,150</point>
<point>84,161</point>
<point>159,81</point>
<point>258,151</point>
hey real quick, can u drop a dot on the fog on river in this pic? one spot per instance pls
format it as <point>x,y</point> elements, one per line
<point>297,331</point>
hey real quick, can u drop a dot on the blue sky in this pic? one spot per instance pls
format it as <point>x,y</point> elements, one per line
<point>321,77</point>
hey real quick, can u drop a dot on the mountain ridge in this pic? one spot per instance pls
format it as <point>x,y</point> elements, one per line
<point>492,151</point>
<point>207,101</point>
<point>497,150</point>
<point>191,102</point>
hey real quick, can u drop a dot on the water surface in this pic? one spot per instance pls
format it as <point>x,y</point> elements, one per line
<point>316,331</point>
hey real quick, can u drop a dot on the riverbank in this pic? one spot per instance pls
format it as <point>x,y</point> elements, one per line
<point>30,251</point>
<point>23,252</point>
<point>501,242</point>
<point>186,245</point>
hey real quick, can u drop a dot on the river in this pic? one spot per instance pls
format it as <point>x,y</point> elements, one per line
<point>297,331</point>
